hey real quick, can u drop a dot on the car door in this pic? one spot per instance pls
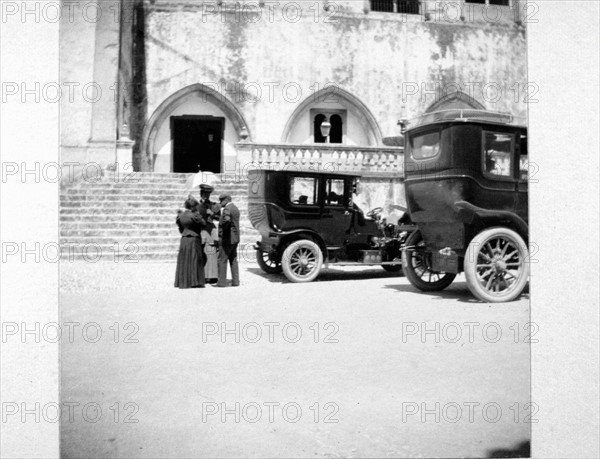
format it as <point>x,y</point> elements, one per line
<point>335,214</point>
<point>498,185</point>
<point>523,169</point>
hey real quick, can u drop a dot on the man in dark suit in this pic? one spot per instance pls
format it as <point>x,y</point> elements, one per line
<point>229,238</point>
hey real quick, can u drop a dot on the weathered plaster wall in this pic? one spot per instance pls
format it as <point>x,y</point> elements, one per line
<point>89,55</point>
<point>268,64</point>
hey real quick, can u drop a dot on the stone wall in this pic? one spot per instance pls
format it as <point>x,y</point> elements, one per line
<point>267,60</point>
<point>89,66</point>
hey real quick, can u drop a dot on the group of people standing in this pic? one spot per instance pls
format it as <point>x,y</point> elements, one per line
<point>206,249</point>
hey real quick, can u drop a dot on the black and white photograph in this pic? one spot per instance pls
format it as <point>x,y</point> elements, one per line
<point>299,229</point>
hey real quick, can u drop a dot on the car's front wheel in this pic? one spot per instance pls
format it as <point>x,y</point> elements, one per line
<point>268,262</point>
<point>302,261</point>
<point>496,265</point>
<point>416,263</point>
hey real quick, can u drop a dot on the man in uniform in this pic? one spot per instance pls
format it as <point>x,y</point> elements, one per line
<point>208,209</point>
<point>229,238</point>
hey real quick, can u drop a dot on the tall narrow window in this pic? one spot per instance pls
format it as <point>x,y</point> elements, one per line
<point>336,133</point>
<point>523,158</point>
<point>319,138</point>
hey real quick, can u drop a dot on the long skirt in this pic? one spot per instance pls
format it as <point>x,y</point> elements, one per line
<point>190,263</point>
<point>210,251</point>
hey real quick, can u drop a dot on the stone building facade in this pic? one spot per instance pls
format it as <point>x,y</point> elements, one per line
<point>217,85</point>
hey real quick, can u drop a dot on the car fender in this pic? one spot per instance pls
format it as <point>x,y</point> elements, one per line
<point>473,215</point>
<point>285,237</point>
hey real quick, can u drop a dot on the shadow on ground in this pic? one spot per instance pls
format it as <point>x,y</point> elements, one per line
<point>523,449</point>
<point>329,275</point>
<point>457,291</point>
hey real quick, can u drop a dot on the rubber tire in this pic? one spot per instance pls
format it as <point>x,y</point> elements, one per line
<point>287,257</point>
<point>392,268</point>
<point>470,267</point>
<point>264,266</point>
<point>413,277</point>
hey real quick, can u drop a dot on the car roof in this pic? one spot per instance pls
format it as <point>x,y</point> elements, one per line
<point>464,116</point>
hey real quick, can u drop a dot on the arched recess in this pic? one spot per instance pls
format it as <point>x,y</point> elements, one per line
<point>170,104</point>
<point>335,95</point>
<point>457,99</point>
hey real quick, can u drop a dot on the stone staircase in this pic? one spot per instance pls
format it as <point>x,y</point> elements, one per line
<point>135,219</point>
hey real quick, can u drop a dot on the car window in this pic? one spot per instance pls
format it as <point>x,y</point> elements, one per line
<point>523,159</point>
<point>334,192</point>
<point>426,145</point>
<point>303,190</point>
<point>497,151</point>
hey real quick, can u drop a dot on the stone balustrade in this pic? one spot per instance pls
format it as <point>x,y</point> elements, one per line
<point>384,162</point>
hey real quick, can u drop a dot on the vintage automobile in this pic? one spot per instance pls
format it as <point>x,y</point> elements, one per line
<point>307,219</point>
<point>466,190</point>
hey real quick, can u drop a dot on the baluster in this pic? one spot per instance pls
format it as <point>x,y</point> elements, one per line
<point>271,156</point>
<point>280,158</point>
<point>359,159</point>
<point>350,159</point>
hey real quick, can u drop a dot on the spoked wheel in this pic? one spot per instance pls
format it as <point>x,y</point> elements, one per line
<point>496,265</point>
<point>302,261</point>
<point>417,266</point>
<point>268,262</point>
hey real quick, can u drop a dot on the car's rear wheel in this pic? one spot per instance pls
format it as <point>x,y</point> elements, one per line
<point>416,263</point>
<point>496,265</point>
<point>268,262</point>
<point>302,261</point>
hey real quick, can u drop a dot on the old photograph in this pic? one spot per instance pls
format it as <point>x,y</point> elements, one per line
<point>290,229</point>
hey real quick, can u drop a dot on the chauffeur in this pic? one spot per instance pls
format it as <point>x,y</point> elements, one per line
<point>229,238</point>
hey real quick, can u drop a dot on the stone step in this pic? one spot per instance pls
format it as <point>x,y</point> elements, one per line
<point>97,197</point>
<point>133,216</point>
<point>100,221</point>
<point>121,225</point>
<point>154,190</point>
<point>106,252</point>
<point>123,236</point>
<point>104,185</point>
<point>72,215</point>
<point>125,213</point>
<point>142,206</point>
<point>124,233</point>
<point>155,177</point>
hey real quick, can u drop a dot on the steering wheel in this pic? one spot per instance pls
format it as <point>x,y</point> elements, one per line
<point>374,213</point>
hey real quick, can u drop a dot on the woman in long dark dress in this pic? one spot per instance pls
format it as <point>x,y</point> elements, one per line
<point>190,260</point>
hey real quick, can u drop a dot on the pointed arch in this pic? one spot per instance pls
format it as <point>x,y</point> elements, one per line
<point>456,99</point>
<point>163,111</point>
<point>353,104</point>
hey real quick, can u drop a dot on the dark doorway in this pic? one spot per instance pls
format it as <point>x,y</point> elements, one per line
<point>197,143</point>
